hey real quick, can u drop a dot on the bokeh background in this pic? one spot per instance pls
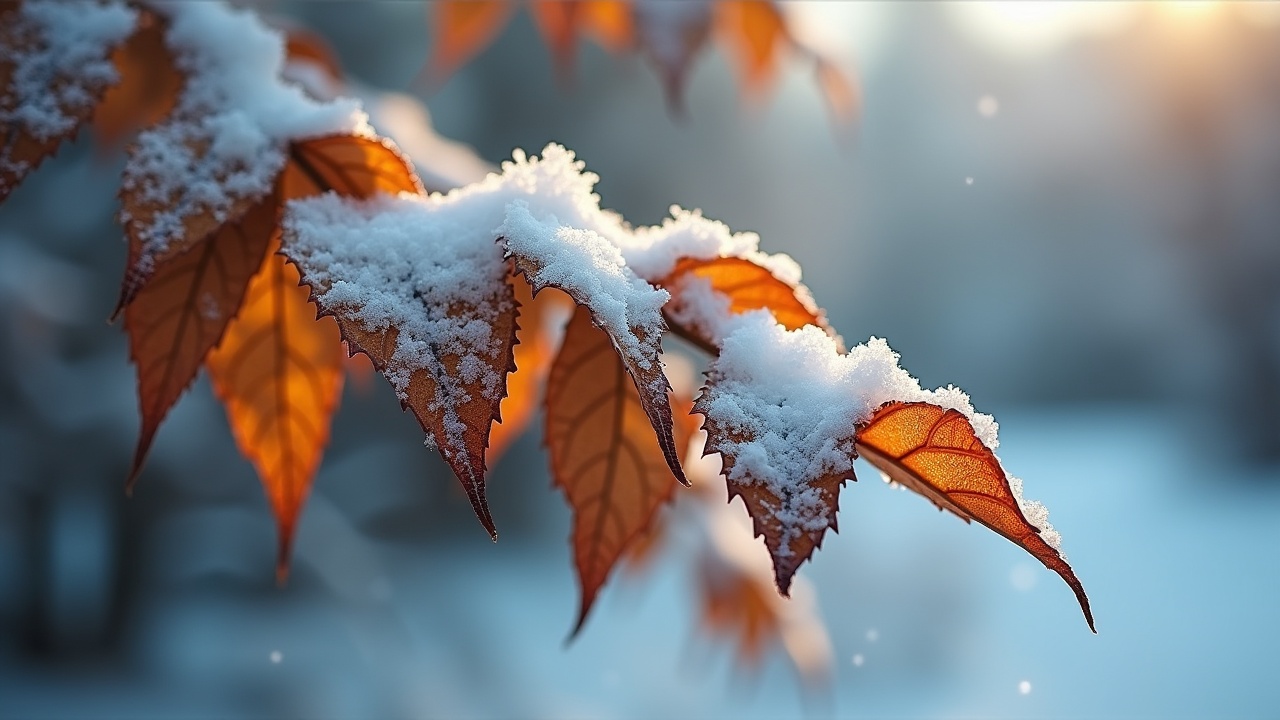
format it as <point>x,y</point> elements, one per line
<point>1072,211</point>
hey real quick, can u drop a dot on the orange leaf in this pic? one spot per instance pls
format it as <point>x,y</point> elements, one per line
<point>49,87</point>
<point>608,22</point>
<point>461,29</point>
<point>738,600</point>
<point>746,286</point>
<point>351,165</point>
<point>558,22</point>
<point>602,453</point>
<point>936,453</point>
<point>148,88</point>
<point>536,345</point>
<point>643,364</point>
<point>754,30</point>
<point>279,372</point>
<point>742,605</point>
<point>792,516</point>
<point>446,350</point>
<point>181,314</point>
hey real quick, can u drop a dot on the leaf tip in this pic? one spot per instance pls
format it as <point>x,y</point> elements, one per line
<point>284,549</point>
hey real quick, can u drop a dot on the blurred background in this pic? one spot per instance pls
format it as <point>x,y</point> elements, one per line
<point>1070,210</point>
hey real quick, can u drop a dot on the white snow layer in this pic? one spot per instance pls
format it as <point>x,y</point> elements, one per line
<point>792,392</point>
<point>226,138</point>
<point>64,47</point>
<point>796,399</point>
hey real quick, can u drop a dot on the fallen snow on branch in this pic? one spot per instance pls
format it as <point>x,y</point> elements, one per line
<point>226,140</point>
<point>791,397</point>
<point>65,46</point>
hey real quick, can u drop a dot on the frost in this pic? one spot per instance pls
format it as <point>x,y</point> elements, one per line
<point>225,142</point>
<point>1038,515</point>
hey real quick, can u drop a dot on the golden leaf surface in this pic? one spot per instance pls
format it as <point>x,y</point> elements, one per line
<point>604,454</point>
<point>278,373</point>
<point>746,286</point>
<point>935,452</point>
<point>178,317</point>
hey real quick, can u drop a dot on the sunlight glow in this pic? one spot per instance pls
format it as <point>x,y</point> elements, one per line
<point>1027,28</point>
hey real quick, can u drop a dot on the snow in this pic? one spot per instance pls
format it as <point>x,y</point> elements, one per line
<point>547,213</point>
<point>409,263</point>
<point>225,141</point>
<point>61,62</point>
<point>787,402</point>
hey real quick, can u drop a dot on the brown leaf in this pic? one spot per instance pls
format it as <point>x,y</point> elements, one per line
<point>603,454</point>
<point>643,365</point>
<point>278,372</point>
<point>454,388</point>
<point>148,88</point>
<point>936,453</point>
<point>746,286</point>
<point>536,345</point>
<point>351,165</point>
<point>738,600</point>
<point>561,22</point>
<point>462,28</point>
<point>754,31</point>
<point>182,313</point>
<point>33,82</point>
<point>793,516</point>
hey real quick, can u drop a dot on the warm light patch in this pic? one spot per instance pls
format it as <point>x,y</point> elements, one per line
<point>1028,28</point>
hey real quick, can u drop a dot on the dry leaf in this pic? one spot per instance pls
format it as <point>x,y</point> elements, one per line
<point>51,79</point>
<point>642,363</point>
<point>754,32</point>
<point>148,88</point>
<point>182,313</point>
<point>278,373</point>
<point>745,286</point>
<point>462,28</point>
<point>542,319</point>
<point>791,513</point>
<point>351,165</point>
<point>936,453</point>
<point>603,453</point>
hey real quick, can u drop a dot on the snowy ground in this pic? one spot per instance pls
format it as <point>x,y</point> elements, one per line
<point>947,620</point>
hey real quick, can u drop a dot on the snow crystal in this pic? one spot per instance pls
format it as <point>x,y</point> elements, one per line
<point>65,46</point>
<point>1038,515</point>
<point>858,660</point>
<point>407,263</point>
<point>653,251</point>
<point>1024,687</point>
<point>225,140</point>
<point>276,657</point>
